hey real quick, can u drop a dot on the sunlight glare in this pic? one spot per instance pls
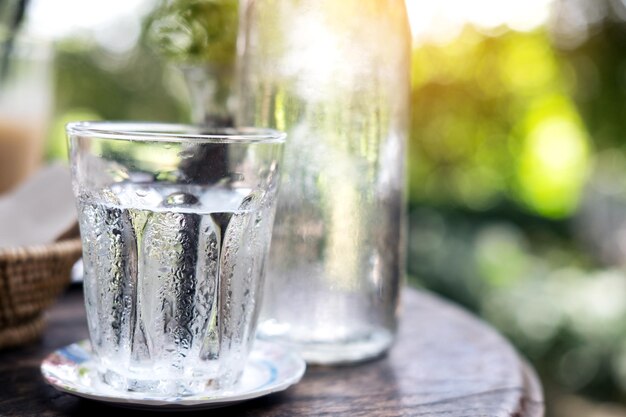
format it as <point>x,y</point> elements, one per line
<point>62,18</point>
<point>442,21</point>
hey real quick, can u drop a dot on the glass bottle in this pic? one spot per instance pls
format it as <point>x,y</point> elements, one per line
<point>335,76</point>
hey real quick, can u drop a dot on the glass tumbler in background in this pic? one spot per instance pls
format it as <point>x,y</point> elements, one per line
<point>176,224</point>
<point>25,106</point>
<point>335,76</point>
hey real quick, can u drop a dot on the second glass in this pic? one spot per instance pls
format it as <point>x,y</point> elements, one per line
<point>335,76</point>
<point>176,224</point>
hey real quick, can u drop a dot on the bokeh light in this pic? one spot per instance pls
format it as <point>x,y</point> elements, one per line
<point>442,21</point>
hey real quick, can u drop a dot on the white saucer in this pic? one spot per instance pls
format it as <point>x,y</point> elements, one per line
<point>271,368</point>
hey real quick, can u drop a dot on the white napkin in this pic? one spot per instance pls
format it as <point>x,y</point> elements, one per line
<point>39,211</point>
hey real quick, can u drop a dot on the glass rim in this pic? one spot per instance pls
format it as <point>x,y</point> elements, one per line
<point>173,132</point>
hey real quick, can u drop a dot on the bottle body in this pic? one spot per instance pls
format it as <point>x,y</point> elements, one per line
<point>335,77</point>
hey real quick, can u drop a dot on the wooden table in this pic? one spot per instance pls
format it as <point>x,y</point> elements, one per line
<point>445,363</point>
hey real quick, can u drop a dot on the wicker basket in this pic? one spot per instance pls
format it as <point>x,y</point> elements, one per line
<point>30,280</point>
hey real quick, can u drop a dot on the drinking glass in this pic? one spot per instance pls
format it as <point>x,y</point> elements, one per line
<point>25,107</point>
<point>175,222</point>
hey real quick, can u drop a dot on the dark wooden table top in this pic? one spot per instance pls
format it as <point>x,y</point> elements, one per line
<point>445,363</point>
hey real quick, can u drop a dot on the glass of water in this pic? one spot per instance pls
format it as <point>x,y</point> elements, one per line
<point>176,223</point>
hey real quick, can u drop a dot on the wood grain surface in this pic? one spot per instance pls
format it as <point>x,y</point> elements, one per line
<point>445,363</point>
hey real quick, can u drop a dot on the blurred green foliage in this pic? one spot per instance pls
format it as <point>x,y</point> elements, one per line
<point>127,87</point>
<point>195,30</point>
<point>493,121</point>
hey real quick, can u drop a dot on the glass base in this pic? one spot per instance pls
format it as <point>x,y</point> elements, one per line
<point>165,387</point>
<point>341,352</point>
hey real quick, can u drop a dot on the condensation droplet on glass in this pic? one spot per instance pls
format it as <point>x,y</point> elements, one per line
<point>180,199</point>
